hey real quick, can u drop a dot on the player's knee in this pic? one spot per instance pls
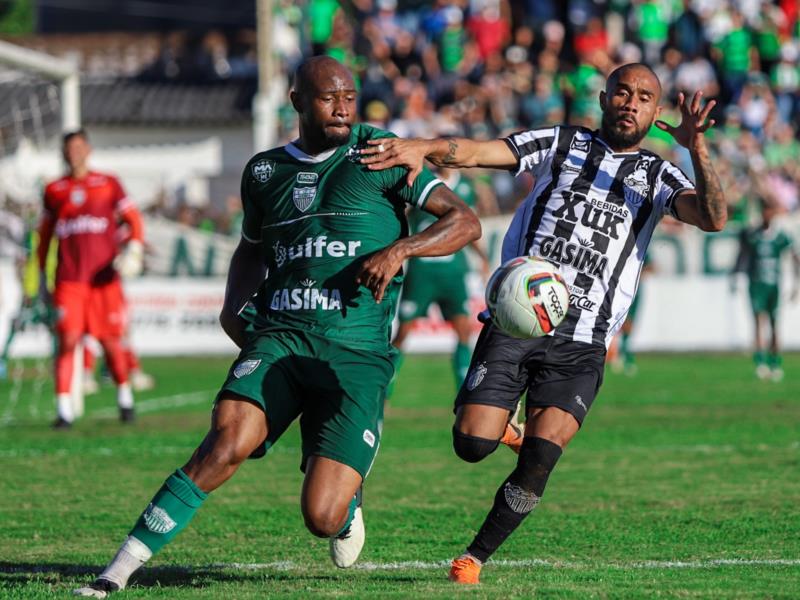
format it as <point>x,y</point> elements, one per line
<point>323,521</point>
<point>470,448</point>
<point>537,458</point>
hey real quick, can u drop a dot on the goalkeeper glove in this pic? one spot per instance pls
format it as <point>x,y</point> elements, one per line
<point>130,262</point>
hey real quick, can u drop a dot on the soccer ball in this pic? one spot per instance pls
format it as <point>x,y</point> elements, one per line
<point>527,297</point>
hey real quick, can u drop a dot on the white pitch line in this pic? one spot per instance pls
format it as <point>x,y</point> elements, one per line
<point>286,565</point>
<point>160,403</point>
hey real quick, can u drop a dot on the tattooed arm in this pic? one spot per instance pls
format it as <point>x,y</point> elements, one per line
<point>444,152</point>
<point>705,208</point>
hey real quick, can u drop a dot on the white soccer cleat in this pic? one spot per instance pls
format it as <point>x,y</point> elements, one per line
<point>346,547</point>
<point>777,374</point>
<point>763,371</point>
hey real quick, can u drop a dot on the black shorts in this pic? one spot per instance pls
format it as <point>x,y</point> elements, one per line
<point>554,371</point>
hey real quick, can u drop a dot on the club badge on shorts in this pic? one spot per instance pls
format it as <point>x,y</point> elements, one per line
<point>476,375</point>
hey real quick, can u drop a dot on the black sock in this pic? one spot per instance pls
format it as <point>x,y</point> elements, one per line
<point>517,497</point>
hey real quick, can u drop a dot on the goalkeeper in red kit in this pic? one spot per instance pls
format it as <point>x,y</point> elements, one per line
<point>82,210</point>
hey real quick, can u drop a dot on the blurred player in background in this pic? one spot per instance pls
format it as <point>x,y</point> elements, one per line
<point>597,199</point>
<point>81,209</point>
<point>332,236</point>
<point>441,280</point>
<point>760,252</point>
<point>620,355</point>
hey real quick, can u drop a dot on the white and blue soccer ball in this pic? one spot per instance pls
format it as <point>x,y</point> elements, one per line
<point>527,297</point>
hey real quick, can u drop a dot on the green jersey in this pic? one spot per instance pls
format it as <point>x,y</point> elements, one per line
<point>762,249</point>
<point>420,220</point>
<point>317,218</point>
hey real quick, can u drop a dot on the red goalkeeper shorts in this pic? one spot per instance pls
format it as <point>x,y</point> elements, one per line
<point>99,311</point>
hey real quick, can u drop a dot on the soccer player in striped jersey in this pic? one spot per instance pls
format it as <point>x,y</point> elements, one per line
<point>597,199</point>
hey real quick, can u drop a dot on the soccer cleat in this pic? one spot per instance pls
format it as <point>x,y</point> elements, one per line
<point>777,374</point>
<point>513,437</point>
<point>126,415</point>
<point>465,569</point>
<point>763,371</point>
<point>141,381</point>
<point>346,547</point>
<point>61,424</point>
<point>99,588</point>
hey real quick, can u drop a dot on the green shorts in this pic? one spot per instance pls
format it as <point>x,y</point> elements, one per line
<point>337,392</point>
<point>764,298</point>
<point>427,284</point>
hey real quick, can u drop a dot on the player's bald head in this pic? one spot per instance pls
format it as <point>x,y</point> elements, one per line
<point>321,73</point>
<point>639,70</point>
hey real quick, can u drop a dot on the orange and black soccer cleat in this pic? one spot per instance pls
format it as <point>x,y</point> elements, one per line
<point>465,569</point>
<point>513,437</point>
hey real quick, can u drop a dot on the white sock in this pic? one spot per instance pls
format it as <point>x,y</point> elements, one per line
<point>124,395</point>
<point>131,555</point>
<point>64,407</point>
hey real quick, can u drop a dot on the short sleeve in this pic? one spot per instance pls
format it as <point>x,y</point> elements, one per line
<point>533,148</point>
<point>670,183</point>
<point>253,216</point>
<point>418,193</point>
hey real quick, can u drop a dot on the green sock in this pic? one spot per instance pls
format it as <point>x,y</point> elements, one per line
<point>759,357</point>
<point>169,511</point>
<point>461,358</point>
<point>351,511</point>
<point>774,360</point>
<point>624,348</point>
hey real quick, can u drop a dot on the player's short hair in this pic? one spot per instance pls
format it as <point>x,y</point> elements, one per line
<point>615,74</point>
<point>82,133</point>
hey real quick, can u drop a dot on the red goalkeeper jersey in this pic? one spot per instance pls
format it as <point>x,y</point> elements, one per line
<point>83,214</point>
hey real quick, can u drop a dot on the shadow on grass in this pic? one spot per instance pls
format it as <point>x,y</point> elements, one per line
<point>13,574</point>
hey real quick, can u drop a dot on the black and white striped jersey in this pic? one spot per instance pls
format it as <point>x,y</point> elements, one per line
<point>592,212</point>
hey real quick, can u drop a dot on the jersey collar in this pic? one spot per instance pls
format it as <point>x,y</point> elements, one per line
<point>298,154</point>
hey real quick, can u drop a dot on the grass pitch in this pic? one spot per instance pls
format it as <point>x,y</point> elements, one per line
<point>684,482</point>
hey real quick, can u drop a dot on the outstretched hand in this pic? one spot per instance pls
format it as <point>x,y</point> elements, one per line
<point>385,153</point>
<point>694,121</point>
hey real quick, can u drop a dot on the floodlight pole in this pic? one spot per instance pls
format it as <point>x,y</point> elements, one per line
<point>271,86</point>
<point>63,71</point>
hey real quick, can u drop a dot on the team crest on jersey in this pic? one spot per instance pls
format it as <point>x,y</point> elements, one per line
<point>263,170</point>
<point>77,196</point>
<point>636,185</point>
<point>476,375</point>
<point>246,367</point>
<point>579,145</point>
<point>303,197</point>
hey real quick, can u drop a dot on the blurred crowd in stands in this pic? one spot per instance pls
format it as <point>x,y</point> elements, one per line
<point>484,68</point>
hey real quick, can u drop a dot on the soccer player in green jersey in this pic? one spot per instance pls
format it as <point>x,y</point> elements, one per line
<point>441,280</point>
<point>331,237</point>
<point>760,252</point>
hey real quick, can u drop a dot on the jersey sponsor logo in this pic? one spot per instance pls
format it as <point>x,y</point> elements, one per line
<point>318,247</point>
<point>584,259</point>
<point>578,298</point>
<point>306,297</point>
<point>303,197</point>
<point>369,438</point>
<point>246,367</point>
<point>579,145</point>
<point>636,184</point>
<point>476,375</point>
<point>262,170</point>
<point>77,196</point>
<point>603,220</point>
<point>307,178</point>
<point>158,520</point>
<point>520,500</point>
<point>81,225</point>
